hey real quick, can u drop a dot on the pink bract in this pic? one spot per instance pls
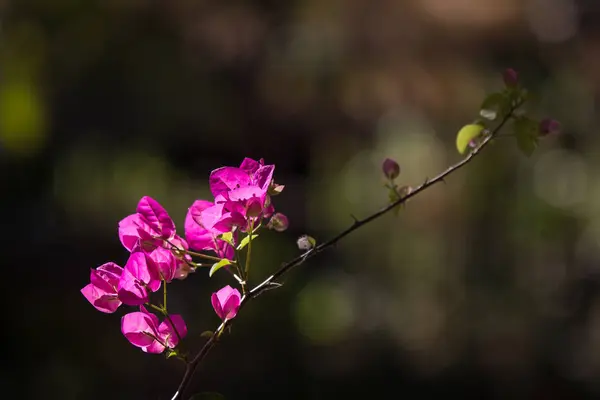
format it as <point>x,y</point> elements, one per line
<point>139,275</point>
<point>148,228</point>
<point>225,179</point>
<point>157,217</point>
<point>204,222</point>
<point>165,262</point>
<point>226,302</point>
<point>101,292</point>
<point>143,330</point>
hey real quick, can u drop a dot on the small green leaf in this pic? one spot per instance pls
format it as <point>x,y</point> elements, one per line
<point>218,265</point>
<point>526,133</point>
<point>208,396</point>
<point>228,237</point>
<point>206,334</point>
<point>465,135</point>
<point>171,353</point>
<point>245,241</point>
<point>493,106</point>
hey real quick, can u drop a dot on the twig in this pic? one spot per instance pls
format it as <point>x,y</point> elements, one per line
<point>286,267</point>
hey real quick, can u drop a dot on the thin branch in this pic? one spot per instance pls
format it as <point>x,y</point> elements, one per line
<point>286,267</point>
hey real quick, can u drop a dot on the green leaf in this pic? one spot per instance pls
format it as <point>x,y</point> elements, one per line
<point>526,133</point>
<point>228,237</point>
<point>465,135</point>
<point>493,106</point>
<point>170,353</point>
<point>208,396</point>
<point>245,241</point>
<point>206,334</point>
<point>218,265</point>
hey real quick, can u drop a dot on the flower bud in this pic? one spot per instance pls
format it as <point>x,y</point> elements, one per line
<point>278,222</point>
<point>511,77</point>
<point>253,207</point>
<point>275,188</point>
<point>182,271</point>
<point>549,126</point>
<point>390,168</point>
<point>306,242</point>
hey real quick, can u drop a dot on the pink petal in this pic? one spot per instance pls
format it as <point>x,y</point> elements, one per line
<point>246,193</point>
<point>225,250</point>
<point>211,216</point>
<point>134,228</point>
<point>197,236</point>
<point>148,240</point>
<point>226,178</point>
<point>106,277</point>
<point>179,242</point>
<point>263,177</point>
<point>228,221</point>
<point>214,299</point>
<point>132,291</point>
<point>153,317</point>
<point>128,231</point>
<point>142,267</point>
<point>154,348</point>
<point>165,263</point>
<point>157,217</point>
<point>231,306</point>
<point>166,332</point>
<point>249,165</point>
<point>226,302</point>
<point>101,300</point>
<point>138,328</point>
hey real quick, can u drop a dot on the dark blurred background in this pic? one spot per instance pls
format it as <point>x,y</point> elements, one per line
<point>487,287</point>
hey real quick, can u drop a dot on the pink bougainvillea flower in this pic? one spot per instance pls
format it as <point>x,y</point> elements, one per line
<point>134,226</point>
<point>250,173</point>
<point>157,217</point>
<point>226,302</point>
<point>242,189</point>
<point>224,179</point>
<point>150,226</point>
<point>139,275</point>
<point>165,262</point>
<point>263,177</point>
<point>390,168</point>
<point>250,166</point>
<point>204,222</point>
<point>101,292</point>
<point>143,330</point>
<point>278,222</point>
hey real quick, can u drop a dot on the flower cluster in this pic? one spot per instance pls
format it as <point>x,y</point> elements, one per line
<point>157,254</point>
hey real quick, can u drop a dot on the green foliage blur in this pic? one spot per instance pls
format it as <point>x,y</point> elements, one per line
<point>486,287</point>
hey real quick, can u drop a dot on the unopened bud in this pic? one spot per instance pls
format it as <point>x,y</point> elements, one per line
<point>253,207</point>
<point>549,126</point>
<point>275,189</point>
<point>390,168</point>
<point>278,222</point>
<point>182,271</point>
<point>306,242</point>
<point>511,77</point>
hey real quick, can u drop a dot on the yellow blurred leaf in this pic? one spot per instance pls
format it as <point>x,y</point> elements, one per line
<point>465,135</point>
